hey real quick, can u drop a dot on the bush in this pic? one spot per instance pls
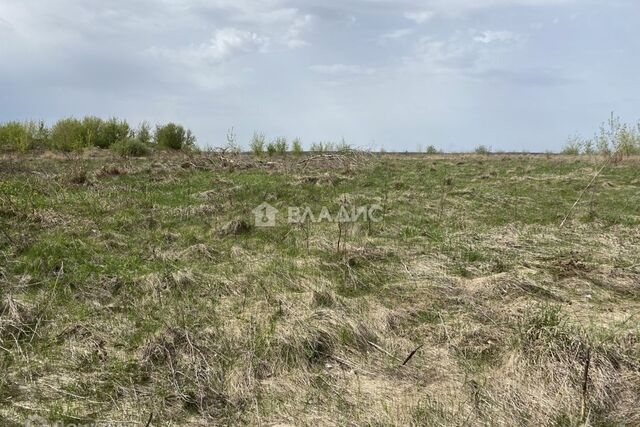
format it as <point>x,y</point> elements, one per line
<point>111,132</point>
<point>131,147</point>
<point>68,135</point>
<point>482,149</point>
<point>143,133</point>
<point>174,137</point>
<point>322,147</point>
<point>431,150</point>
<point>232,146</point>
<point>271,149</point>
<point>343,147</point>
<point>613,137</point>
<point>14,136</point>
<point>257,144</point>
<point>296,147</point>
<point>92,126</point>
<point>573,146</point>
<point>281,145</point>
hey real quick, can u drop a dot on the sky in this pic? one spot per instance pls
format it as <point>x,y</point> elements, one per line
<point>403,74</point>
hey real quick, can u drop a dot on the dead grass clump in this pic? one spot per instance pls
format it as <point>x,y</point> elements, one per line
<point>235,228</point>
<point>192,369</point>
<point>110,170</point>
<point>78,177</point>
<point>199,251</point>
<point>323,180</point>
<point>582,376</point>
<point>16,319</point>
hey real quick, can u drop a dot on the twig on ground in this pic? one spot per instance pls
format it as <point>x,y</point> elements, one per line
<point>412,354</point>
<point>583,192</point>
<point>377,347</point>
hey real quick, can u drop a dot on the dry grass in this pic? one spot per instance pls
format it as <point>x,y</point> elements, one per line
<point>146,290</point>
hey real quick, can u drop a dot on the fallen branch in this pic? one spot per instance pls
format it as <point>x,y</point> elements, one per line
<point>582,193</point>
<point>411,355</point>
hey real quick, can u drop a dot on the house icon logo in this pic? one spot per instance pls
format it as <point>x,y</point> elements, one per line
<point>265,215</point>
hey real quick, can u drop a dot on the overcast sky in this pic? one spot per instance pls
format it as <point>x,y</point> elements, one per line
<point>511,74</point>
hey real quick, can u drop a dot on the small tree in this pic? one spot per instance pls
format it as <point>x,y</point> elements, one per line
<point>112,131</point>
<point>174,137</point>
<point>131,147</point>
<point>281,145</point>
<point>271,149</point>
<point>232,145</point>
<point>296,147</point>
<point>143,133</point>
<point>14,136</point>
<point>482,149</point>
<point>91,129</point>
<point>257,143</point>
<point>68,135</point>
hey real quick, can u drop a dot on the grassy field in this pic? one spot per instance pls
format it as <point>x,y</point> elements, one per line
<point>138,289</point>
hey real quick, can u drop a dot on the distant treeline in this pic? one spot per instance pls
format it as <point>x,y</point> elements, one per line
<point>72,134</point>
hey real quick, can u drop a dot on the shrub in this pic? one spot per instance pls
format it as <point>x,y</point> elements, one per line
<point>174,137</point>
<point>91,128</point>
<point>232,145</point>
<point>143,133</point>
<point>343,147</point>
<point>111,132</point>
<point>257,144</point>
<point>68,135</point>
<point>482,149</point>
<point>296,147</point>
<point>14,136</point>
<point>281,145</point>
<point>271,148</point>
<point>131,147</point>
<point>431,150</point>
<point>573,146</point>
<point>322,147</point>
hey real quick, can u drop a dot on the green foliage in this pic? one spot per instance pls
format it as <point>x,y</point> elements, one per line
<point>271,149</point>
<point>573,146</point>
<point>613,137</point>
<point>343,147</point>
<point>431,150</point>
<point>68,135</point>
<point>111,132</point>
<point>174,137</point>
<point>232,145</point>
<point>92,126</point>
<point>296,147</point>
<point>131,147</point>
<point>257,143</point>
<point>482,149</point>
<point>143,133</point>
<point>14,136</point>
<point>281,145</point>
<point>322,147</point>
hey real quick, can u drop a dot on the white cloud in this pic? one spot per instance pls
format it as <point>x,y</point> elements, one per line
<point>224,44</point>
<point>299,25</point>
<point>497,36</point>
<point>419,17</point>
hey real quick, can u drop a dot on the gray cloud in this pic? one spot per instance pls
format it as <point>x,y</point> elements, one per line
<point>395,71</point>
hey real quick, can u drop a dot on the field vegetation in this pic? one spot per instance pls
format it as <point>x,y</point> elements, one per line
<point>138,289</point>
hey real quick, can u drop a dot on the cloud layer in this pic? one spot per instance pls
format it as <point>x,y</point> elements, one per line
<point>513,74</point>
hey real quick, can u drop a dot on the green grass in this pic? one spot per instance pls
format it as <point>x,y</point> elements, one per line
<point>124,293</point>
